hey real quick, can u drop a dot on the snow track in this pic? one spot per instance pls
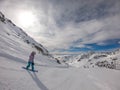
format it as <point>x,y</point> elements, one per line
<point>55,77</point>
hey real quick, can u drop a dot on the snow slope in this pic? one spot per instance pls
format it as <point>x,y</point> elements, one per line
<point>10,33</point>
<point>14,52</point>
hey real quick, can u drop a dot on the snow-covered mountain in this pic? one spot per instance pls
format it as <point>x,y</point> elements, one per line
<point>15,47</point>
<point>10,32</point>
<point>109,59</point>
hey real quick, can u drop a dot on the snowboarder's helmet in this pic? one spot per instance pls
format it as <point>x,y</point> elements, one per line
<point>33,52</point>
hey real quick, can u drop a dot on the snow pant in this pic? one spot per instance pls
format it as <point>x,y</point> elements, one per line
<point>30,64</point>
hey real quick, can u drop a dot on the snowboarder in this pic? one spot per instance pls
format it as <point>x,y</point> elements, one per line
<point>31,61</point>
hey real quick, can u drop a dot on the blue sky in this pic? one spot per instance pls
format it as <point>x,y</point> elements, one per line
<point>67,26</point>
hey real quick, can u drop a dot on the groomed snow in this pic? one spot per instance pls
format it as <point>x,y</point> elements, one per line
<point>54,77</point>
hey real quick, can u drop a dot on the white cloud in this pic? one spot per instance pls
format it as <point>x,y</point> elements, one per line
<point>109,30</point>
<point>101,43</point>
<point>119,42</point>
<point>55,26</point>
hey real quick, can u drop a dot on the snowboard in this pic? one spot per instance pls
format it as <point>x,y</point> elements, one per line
<point>30,69</point>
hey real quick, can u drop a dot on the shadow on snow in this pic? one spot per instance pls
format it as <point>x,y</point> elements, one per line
<point>13,58</point>
<point>53,66</point>
<point>37,81</point>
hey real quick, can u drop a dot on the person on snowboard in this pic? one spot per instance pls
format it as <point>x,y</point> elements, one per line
<point>31,60</point>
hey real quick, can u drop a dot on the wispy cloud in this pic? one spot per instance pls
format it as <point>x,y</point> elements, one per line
<point>63,24</point>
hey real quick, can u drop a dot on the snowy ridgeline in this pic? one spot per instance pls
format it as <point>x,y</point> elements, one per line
<point>11,32</point>
<point>91,59</point>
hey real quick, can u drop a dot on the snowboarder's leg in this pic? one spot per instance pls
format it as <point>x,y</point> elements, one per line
<point>32,66</point>
<point>28,65</point>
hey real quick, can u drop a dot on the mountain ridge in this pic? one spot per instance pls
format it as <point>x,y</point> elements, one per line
<point>19,33</point>
<point>107,59</point>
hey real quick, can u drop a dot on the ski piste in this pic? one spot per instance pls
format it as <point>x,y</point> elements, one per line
<point>30,69</point>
